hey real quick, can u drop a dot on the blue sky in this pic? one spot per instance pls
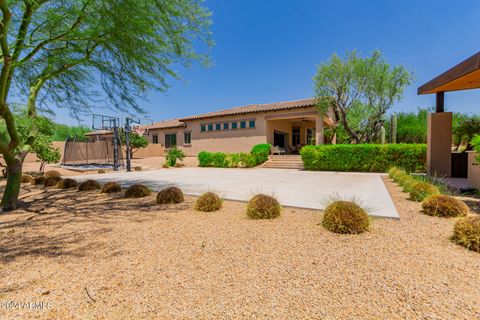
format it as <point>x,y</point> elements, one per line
<point>268,50</point>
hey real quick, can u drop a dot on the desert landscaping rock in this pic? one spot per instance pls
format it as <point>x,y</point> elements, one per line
<point>138,259</point>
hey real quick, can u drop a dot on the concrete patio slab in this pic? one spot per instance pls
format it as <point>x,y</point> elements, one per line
<point>297,188</point>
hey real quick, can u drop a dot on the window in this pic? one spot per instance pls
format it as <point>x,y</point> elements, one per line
<point>243,124</point>
<point>210,127</point>
<point>251,124</point>
<point>170,140</point>
<point>155,139</point>
<point>202,128</point>
<point>225,126</point>
<point>234,125</point>
<point>187,138</point>
<point>218,126</point>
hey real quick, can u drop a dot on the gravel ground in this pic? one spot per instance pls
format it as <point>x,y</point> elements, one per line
<point>98,256</point>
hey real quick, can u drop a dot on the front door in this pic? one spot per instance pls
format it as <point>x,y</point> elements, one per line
<point>279,139</point>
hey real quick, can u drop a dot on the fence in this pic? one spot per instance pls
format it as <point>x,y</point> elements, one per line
<point>98,152</point>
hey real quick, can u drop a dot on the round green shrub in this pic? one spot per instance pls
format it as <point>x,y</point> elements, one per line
<point>262,206</point>
<point>67,183</point>
<point>170,195</point>
<point>467,233</point>
<point>26,178</point>
<point>52,173</point>
<point>111,187</point>
<point>101,171</point>
<point>208,202</point>
<point>444,206</point>
<point>345,217</point>
<point>420,190</point>
<point>89,185</point>
<point>137,191</point>
<point>51,181</point>
<point>38,180</point>
<point>261,152</point>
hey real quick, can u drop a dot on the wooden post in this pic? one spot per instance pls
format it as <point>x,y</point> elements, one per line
<point>440,102</point>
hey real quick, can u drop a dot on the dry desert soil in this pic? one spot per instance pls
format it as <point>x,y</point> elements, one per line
<point>87,255</point>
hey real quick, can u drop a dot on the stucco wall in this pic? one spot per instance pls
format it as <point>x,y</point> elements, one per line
<point>233,140</point>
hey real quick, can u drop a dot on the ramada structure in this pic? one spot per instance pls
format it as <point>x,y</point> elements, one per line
<point>287,125</point>
<point>440,159</point>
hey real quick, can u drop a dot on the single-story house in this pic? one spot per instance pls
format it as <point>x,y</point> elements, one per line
<point>287,125</point>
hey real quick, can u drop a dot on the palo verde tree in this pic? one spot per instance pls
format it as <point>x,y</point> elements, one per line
<point>82,53</point>
<point>136,141</point>
<point>359,91</point>
<point>42,147</point>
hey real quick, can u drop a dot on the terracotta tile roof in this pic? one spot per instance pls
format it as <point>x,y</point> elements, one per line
<point>98,132</point>
<point>254,108</point>
<point>172,123</point>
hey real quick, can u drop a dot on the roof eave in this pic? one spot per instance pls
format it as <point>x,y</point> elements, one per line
<point>462,69</point>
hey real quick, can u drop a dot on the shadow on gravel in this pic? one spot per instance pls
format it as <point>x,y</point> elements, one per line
<point>52,222</point>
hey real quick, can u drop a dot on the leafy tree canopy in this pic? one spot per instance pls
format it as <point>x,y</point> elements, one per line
<point>359,91</point>
<point>82,53</point>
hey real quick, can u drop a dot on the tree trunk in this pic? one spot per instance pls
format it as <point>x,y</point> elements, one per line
<point>12,189</point>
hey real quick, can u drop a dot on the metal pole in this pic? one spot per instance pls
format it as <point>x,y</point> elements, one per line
<point>115,145</point>
<point>127,143</point>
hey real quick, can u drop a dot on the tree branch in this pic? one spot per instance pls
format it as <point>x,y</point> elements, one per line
<point>42,44</point>
<point>19,43</point>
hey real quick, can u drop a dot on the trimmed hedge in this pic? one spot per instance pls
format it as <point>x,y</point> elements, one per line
<point>364,157</point>
<point>261,152</point>
<point>258,155</point>
<point>212,159</point>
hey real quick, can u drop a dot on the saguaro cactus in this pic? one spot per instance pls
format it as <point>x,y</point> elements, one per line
<point>382,135</point>
<point>393,128</point>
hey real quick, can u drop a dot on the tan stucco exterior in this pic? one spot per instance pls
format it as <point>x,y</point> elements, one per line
<point>241,139</point>
<point>439,144</point>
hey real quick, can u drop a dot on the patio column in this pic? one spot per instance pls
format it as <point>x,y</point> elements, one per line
<point>439,144</point>
<point>318,130</point>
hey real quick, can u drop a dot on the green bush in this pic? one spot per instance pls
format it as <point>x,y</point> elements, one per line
<point>212,159</point>
<point>226,160</point>
<point>173,155</point>
<point>364,157</point>
<point>345,217</point>
<point>261,152</point>
<point>444,206</point>
<point>208,202</point>
<point>258,155</point>
<point>467,233</point>
<point>262,206</point>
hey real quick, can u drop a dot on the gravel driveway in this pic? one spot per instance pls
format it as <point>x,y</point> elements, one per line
<point>296,188</point>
